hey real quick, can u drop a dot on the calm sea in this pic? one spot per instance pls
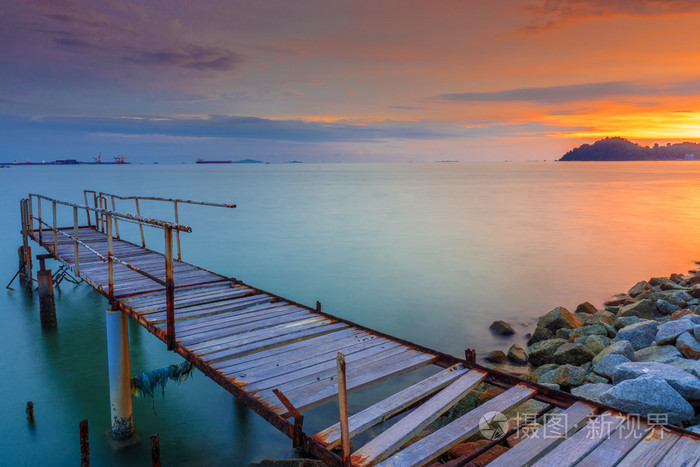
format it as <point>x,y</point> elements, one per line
<point>430,252</point>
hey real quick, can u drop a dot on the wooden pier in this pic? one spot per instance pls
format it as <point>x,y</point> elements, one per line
<point>282,358</point>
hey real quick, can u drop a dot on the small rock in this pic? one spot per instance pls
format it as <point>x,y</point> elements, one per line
<point>586,308</point>
<point>516,354</point>
<point>602,317</point>
<point>648,394</point>
<point>687,385</point>
<point>550,386</point>
<point>688,345</point>
<point>542,352</point>
<point>657,353</point>
<point>668,332</point>
<point>544,369</point>
<point>540,334</point>
<point>623,321</point>
<point>640,335</point>
<point>620,299</point>
<point>596,379</point>
<point>501,328</point>
<point>566,376</point>
<point>677,278</point>
<point>566,333</point>
<point>621,347</point>
<point>607,365</point>
<point>559,318</point>
<point>643,309</point>
<point>596,343</point>
<point>591,391</point>
<point>639,287</point>
<point>496,356</point>
<point>488,394</point>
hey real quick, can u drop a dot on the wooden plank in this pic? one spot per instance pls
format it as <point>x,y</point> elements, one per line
<point>557,427</point>
<point>202,312</point>
<point>242,350</point>
<point>583,441</point>
<point>310,358</point>
<point>312,396</point>
<point>367,354</point>
<point>289,352</point>
<point>214,345</point>
<point>387,408</point>
<point>323,376</point>
<point>268,310</point>
<point>430,447</point>
<point>684,453</point>
<point>203,336</point>
<point>651,449</point>
<point>618,445</point>
<point>393,438</point>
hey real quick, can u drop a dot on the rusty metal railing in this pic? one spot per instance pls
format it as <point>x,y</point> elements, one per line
<point>106,221</point>
<point>100,198</point>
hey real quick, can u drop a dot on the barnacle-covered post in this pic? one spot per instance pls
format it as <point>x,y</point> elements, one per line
<point>119,374</point>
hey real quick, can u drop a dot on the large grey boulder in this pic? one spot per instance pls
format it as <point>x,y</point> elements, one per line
<point>566,376</point>
<point>594,343</point>
<point>642,309</point>
<point>688,365</point>
<point>657,353</point>
<point>669,331</point>
<point>607,365</point>
<point>540,334</point>
<point>591,391</point>
<point>686,384</point>
<point>688,345</point>
<point>602,317</point>
<point>621,347</point>
<point>648,394</point>
<point>559,318</point>
<point>640,335</point>
<point>542,352</point>
<point>675,297</point>
<point>516,354</point>
<point>573,353</point>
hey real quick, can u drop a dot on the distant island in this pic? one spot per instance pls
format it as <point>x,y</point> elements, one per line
<point>621,149</point>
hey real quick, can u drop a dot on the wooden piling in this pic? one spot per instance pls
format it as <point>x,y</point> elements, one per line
<point>47,305</point>
<point>84,444</point>
<point>155,450</point>
<point>25,269</point>
<point>343,403</point>
<point>30,411</point>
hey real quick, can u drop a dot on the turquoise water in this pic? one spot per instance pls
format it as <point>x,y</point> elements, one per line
<point>428,252</point>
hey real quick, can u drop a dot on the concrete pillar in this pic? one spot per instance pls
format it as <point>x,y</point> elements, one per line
<point>119,374</point>
<point>47,306</point>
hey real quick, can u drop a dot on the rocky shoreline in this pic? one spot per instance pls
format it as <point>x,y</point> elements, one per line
<point>639,354</point>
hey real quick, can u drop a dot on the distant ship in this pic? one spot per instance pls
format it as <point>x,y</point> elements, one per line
<point>202,161</point>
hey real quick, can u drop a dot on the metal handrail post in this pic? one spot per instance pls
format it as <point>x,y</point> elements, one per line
<point>138,213</point>
<point>29,216</point>
<point>55,233</point>
<point>177,221</point>
<point>76,248</point>
<point>169,288</point>
<point>110,260</point>
<point>116,221</point>
<point>38,209</point>
<point>87,211</point>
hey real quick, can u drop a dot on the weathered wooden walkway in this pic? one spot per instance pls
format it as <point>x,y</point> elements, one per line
<point>265,349</point>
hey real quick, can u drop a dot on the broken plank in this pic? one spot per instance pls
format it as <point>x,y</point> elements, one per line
<point>385,409</point>
<point>439,441</point>
<point>395,436</point>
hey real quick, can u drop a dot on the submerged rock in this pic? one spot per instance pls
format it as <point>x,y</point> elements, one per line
<point>516,354</point>
<point>648,394</point>
<point>496,356</point>
<point>640,335</point>
<point>501,328</point>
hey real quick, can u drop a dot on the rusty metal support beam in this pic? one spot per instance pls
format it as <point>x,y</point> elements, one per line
<point>343,404</point>
<point>169,288</point>
<point>297,431</point>
<point>55,232</point>
<point>110,260</point>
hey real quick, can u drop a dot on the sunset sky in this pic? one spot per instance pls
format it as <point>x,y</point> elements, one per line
<point>327,80</point>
